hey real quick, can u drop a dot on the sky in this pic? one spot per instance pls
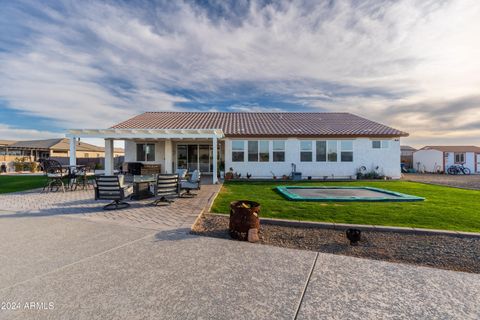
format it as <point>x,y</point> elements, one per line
<point>412,65</point>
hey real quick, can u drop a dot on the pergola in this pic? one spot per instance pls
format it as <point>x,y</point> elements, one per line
<point>125,134</point>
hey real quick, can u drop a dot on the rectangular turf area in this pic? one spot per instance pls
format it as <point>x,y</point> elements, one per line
<point>20,183</point>
<point>444,207</point>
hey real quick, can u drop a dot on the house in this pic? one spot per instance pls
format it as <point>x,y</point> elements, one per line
<point>332,145</point>
<point>440,158</point>
<point>51,148</point>
<point>4,154</point>
<point>406,156</point>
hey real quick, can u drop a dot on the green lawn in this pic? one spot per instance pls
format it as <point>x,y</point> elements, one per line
<point>444,207</point>
<point>20,183</point>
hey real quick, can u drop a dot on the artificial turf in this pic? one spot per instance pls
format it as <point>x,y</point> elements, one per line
<point>16,183</point>
<point>444,207</point>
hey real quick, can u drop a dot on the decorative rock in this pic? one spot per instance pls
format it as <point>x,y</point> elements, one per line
<point>253,235</point>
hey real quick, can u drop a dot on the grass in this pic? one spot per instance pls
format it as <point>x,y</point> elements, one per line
<point>20,183</point>
<point>444,208</point>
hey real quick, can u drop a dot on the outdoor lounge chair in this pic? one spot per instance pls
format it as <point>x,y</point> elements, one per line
<point>55,174</point>
<point>166,188</point>
<point>192,184</point>
<point>111,188</point>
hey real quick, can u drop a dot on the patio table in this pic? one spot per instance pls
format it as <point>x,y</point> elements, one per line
<point>141,186</point>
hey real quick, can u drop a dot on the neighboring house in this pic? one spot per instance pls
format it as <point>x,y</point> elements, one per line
<point>332,145</point>
<point>406,156</point>
<point>4,153</point>
<point>39,149</point>
<point>440,158</point>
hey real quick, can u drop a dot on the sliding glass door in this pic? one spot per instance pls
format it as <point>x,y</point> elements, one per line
<point>195,157</point>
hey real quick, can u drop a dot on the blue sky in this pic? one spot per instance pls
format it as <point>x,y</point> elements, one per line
<point>90,64</point>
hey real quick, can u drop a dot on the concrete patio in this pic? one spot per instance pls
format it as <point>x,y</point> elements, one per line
<point>96,265</point>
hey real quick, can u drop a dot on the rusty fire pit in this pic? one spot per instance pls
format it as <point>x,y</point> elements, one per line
<point>244,220</point>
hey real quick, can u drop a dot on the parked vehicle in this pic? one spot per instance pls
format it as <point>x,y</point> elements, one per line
<point>458,169</point>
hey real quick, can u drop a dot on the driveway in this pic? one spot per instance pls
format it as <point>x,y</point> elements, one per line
<point>459,181</point>
<point>75,267</point>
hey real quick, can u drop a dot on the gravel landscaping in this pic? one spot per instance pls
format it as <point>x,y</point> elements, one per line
<point>457,181</point>
<point>444,252</point>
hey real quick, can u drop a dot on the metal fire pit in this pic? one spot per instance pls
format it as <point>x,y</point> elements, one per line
<point>242,218</point>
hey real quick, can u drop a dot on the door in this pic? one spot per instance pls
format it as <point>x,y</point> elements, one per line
<point>478,162</point>
<point>195,157</point>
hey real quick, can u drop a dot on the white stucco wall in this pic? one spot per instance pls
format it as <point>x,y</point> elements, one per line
<point>469,160</point>
<point>131,152</point>
<point>429,160</point>
<point>387,159</point>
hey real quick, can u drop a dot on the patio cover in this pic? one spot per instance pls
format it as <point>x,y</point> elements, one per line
<point>122,134</point>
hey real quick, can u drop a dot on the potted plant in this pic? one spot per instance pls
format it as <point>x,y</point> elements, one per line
<point>229,174</point>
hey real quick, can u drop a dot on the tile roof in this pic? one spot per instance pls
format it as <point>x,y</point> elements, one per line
<point>264,124</point>
<point>453,148</point>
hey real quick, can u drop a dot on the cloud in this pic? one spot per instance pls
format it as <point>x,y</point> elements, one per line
<point>92,64</point>
<point>10,133</point>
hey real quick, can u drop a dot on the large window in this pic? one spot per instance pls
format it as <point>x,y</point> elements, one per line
<point>258,151</point>
<point>332,151</point>
<point>238,151</point>
<point>145,152</point>
<point>252,151</point>
<point>460,158</point>
<point>346,153</point>
<point>278,150</point>
<point>305,151</point>
<point>264,153</point>
<point>321,151</point>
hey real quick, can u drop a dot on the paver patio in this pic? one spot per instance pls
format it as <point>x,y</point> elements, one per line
<point>95,267</point>
<point>81,204</point>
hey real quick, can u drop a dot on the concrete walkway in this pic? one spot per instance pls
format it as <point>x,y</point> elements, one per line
<point>94,269</point>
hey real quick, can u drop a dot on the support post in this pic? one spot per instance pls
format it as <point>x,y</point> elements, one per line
<point>108,157</point>
<point>215,160</point>
<point>73,151</point>
<point>168,156</point>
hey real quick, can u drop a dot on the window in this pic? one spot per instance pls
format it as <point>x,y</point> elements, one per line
<point>332,150</point>
<point>380,144</point>
<point>252,151</point>
<point>322,151</point>
<point>145,152</point>
<point>346,147</point>
<point>258,151</point>
<point>305,151</point>
<point>460,158</point>
<point>238,151</point>
<point>264,154</point>
<point>278,151</point>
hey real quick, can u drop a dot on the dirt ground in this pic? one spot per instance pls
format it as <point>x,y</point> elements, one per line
<point>459,181</point>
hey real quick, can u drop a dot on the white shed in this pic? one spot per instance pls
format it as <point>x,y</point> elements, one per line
<point>440,158</point>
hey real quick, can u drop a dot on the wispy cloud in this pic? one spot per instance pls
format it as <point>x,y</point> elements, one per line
<point>91,64</point>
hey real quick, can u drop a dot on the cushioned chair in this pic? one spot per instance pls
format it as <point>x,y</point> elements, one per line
<point>166,188</point>
<point>181,173</point>
<point>191,184</point>
<point>111,188</point>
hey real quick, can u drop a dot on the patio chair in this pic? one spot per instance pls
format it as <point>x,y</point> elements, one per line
<point>55,174</point>
<point>111,188</point>
<point>166,188</point>
<point>181,173</point>
<point>192,184</point>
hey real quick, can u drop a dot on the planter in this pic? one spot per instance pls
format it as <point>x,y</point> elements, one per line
<point>244,220</point>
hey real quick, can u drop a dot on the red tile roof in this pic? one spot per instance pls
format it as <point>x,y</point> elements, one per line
<point>453,148</point>
<point>264,124</point>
